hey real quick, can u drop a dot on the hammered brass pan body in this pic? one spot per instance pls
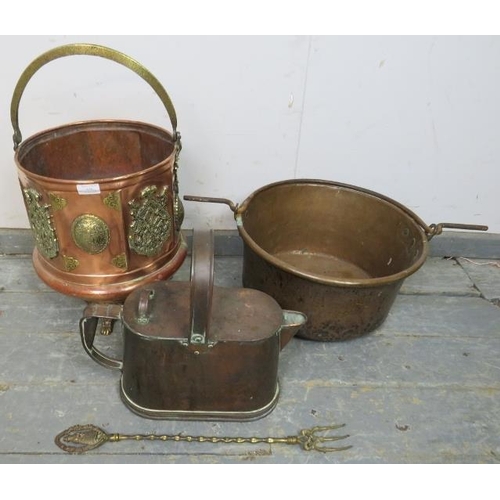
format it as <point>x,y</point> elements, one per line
<point>336,252</point>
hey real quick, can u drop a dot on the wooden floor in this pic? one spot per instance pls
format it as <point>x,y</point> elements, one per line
<point>423,388</point>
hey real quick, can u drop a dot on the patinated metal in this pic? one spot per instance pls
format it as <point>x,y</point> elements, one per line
<point>101,195</point>
<point>90,233</point>
<point>151,224</point>
<point>337,252</point>
<point>192,350</point>
<point>57,202</point>
<point>41,224</point>
<point>80,439</point>
<point>70,263</point>
<point>113,201</point>
<point>178,206</point>
<point>178,212</point>
<point>120,261</point>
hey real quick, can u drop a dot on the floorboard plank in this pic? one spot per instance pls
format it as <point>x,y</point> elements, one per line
<point>423,388</point>
<point>485,274</point>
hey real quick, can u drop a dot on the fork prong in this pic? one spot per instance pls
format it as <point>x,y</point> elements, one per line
<point>327,449</point>
<point>324,428</point>
<point>312,439</point>
<point>323,439</point>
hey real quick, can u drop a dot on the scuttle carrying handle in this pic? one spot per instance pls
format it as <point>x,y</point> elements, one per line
<point>89,50</point>
<point>202,278</point>
<point>202,275</point>
<point>88,327</point>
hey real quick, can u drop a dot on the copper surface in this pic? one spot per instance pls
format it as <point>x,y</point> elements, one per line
<point>102,195</point>
<point>197,351</point>
<point>117,159</point>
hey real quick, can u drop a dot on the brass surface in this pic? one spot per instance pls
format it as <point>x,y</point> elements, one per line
<point>106,326</point>
<point>178,212</point>
<point>337,252</point>
<point>83,438</point>
<point>57,202</point>
<point>70,263</point>
<point>90,233</point>
<point>41,224</point>
<point>87,50</point>
<point>112,200</point>
<point>120,261</point>
<point>178,206</point>
<point>151,222</point>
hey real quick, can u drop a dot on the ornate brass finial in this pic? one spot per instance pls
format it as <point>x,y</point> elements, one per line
<point>83,438</point>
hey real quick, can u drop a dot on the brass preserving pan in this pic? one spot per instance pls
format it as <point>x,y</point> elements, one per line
<point>336,252</point>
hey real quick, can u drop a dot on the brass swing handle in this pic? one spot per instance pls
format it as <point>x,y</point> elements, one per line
<point>88,50</point>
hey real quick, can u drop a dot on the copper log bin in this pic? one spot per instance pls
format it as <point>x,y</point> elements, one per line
<point>101,196</point>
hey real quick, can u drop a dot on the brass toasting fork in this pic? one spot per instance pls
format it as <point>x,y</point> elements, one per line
<point>83,438</point>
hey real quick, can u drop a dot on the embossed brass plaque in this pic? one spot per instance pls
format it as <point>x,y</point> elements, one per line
<point>41,224</point>
<point>70,263</point>
<point>120,261</point>
<point>57,202</point>
<point>113,201</point>
<point>90,233</point>
<point>151,222</point>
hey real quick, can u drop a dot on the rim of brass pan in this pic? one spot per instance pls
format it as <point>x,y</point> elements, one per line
<point>358,282</point>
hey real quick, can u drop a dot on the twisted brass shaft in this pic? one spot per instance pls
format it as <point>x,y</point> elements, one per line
<point>83,438</point>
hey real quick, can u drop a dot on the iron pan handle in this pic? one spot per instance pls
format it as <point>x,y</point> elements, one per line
<point>437,229</point>
<point>209,199</point>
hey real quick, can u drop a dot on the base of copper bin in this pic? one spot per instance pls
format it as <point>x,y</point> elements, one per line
<point>96,291</point>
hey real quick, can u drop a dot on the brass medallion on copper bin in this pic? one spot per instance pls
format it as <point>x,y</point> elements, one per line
<point>90,233</point>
